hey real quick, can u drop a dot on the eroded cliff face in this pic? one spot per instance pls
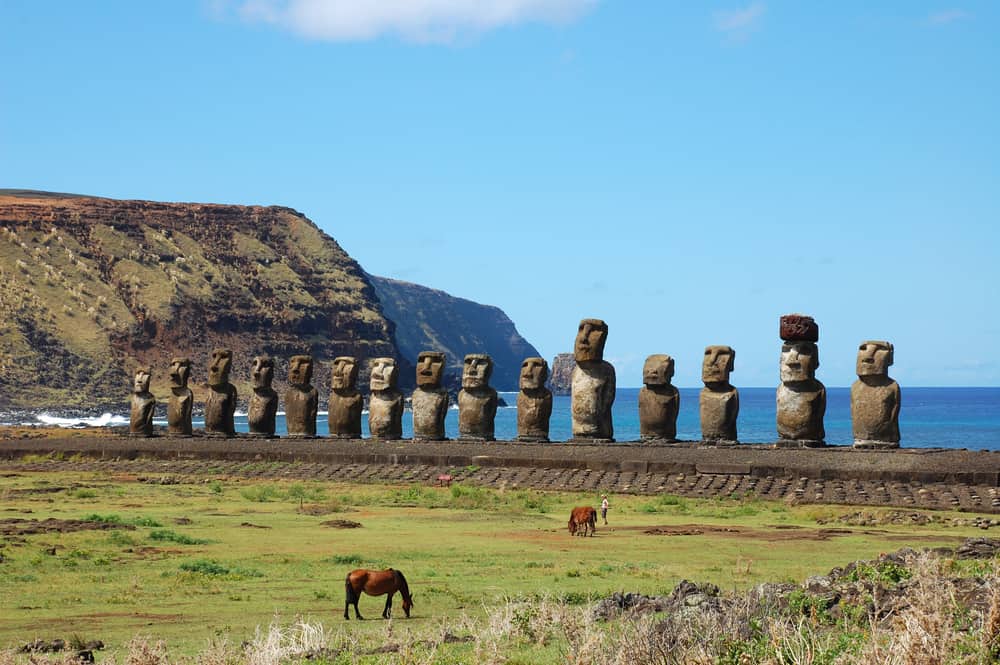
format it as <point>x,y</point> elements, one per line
<point>432,320</point>
<point>92,288</point>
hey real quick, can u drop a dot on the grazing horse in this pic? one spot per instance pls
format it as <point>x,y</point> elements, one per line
<point>375,583</point>
<point>583,517</point>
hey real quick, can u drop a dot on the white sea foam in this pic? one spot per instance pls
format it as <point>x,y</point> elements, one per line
<point>103,420</point>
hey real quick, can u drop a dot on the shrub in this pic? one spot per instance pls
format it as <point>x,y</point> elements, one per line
<point>173,537</point>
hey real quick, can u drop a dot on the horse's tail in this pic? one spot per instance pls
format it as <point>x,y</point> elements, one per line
<point>349,588</point>
<point>404,588</point>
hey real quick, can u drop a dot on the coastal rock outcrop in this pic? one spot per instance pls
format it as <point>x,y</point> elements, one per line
<point>561,376</point>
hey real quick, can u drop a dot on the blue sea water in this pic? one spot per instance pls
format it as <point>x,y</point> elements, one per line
<point>929,417</point>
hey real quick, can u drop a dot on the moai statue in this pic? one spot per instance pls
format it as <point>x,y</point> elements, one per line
<point>477,401</point>
<point>346,403</point>
<point>181,398</point>
<point>385,406</point>
<point>264,400</point>
<point>301,398</point>
<point>801,398</point>
<point>220,405</point>
<point>143,405</point>
<point>875,398</point>
<point>659,401</point>
<point>719,402</point>
<point>430,400</point>
<point>534,402</point>
<point>593,384</point>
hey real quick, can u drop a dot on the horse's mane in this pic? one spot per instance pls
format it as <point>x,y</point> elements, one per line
<point>404,588</point>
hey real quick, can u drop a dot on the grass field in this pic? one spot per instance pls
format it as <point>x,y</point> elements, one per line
<point>189,563</point>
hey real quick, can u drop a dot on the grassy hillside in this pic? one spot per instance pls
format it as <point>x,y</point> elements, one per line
<point>92,288</point>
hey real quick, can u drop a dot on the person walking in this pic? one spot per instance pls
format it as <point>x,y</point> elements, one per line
<point>604,508</point>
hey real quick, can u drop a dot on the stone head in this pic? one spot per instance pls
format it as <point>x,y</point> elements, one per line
<point>799,361</point>
<point>262,372</point>
<point>140,383</point>
<point>658,370</point>
<point>874,358</point>
<point>218,367</point>
<point>590,339</point>
<point>717,363</point>
<point>300,370</point>
<point>534,374</point>
<point>345,373</point>
<point>384,374</point>
<point>476,370</point>
<point>180,372</point>
<point>430,369</point>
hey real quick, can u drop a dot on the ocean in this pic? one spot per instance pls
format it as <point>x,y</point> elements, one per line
<point>929,417</point>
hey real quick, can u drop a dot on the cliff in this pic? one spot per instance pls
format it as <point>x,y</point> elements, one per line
<point>432,320</point>
<point>92,288</point>
<point>561,373</point>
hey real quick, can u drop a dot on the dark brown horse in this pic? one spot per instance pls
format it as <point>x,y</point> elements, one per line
<point>583,517</point>
<point>376,583</point>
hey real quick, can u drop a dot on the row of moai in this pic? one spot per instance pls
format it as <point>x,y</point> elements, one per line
<point>801,398</point>
<point>477,401</point>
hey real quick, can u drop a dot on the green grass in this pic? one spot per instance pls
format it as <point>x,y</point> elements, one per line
<point>461,548</point>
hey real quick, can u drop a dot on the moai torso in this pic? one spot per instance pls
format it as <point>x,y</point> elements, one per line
<point>429,400</point>
<point>477,401</point>
<point>181,398</point>
<point>385,405</point>
<point>719,401</point>
<point>301,398</point>
<point>593,384</point>
<point>263,409</point>
<point>346,403</point>
<point>800,411</point>
<point>220,403</point>
<point>659,401</point>
<point>142,407</point>
<point>875,398</point>
<point>534,401</point>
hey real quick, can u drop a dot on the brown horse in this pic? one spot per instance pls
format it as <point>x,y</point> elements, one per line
<point>375,583</point>
<point>583,517</point>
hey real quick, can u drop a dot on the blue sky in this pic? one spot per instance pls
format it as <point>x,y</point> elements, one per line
<point>686,171</point>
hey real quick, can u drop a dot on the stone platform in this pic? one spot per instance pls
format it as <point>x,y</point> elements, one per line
<point>914,477</point>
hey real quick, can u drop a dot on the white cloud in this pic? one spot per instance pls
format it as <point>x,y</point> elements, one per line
<point>947,16</point>
<point>413,20</point>
<point>739,21</point>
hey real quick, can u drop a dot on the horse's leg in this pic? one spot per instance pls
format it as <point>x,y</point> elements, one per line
<point>357,614</point>
<point>387,612</point>
<point>349,593</point>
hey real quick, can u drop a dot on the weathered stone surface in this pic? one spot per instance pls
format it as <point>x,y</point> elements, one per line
<point>430,399</point>
<point>593,384</point>
<point>659,400</point>
<point>385,405</point>
<point>798,328</point>
<point>561,376</point>
<point>346,403</point>
<point>534,401</point>
<point>220,403</point>
<point>875,398</point>
<point>263,409</point>
<point>477,401</point>
<point>301,398</point>
<point>801,399</point>
<point>181,399</point>
<point>719,401</point>
<point>143,405</point>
